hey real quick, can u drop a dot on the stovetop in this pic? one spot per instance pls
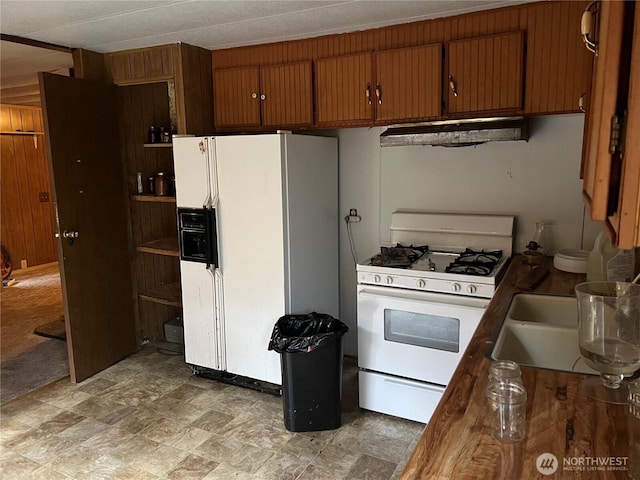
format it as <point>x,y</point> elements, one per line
<point>470,272</point>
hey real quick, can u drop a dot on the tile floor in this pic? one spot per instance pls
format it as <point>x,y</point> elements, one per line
<point>147,417</point>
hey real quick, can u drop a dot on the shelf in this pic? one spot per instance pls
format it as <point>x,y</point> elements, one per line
<point>153,198</point>
<point>168,294</point>
<point>162,246</point>
<point>5,132</point>
<point>158,145</point>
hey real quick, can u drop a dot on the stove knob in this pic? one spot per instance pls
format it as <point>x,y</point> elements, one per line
<point>389,280</point>
<point>455,287</point>
<point>376,278</point>
<point>421,283</point>
<point>472,289</point>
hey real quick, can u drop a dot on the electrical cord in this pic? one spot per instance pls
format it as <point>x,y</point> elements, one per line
<point>353,250</point>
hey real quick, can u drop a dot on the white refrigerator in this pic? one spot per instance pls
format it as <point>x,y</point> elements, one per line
<point>275,200</point>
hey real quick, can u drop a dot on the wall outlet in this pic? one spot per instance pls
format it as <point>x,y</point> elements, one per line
<point>353,216</point>
<point>23,264</point>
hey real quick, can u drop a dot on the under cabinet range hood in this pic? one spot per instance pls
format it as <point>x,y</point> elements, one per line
<point>457,133</point>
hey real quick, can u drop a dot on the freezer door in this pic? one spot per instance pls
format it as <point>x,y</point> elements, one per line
<point>195,175</point>
<point>201,337</point>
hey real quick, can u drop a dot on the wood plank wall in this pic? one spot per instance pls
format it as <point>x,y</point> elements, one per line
<point>27,225</point>
<point>557,70</point>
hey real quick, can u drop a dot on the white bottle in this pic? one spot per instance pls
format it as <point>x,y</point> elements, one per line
<point>608,263</point>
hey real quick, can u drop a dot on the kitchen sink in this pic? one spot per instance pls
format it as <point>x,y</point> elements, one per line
<point>541,331</point>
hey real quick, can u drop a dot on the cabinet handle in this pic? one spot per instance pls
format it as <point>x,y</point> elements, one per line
<point>263,97</point>
<point>581,103</point>
<point>379,93</point>
<point>452,86</point>
<point>586,26</point>
<point>254,95</point>
<point>367,93</point>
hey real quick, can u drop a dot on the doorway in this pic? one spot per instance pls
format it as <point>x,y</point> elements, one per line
<point>29,361</point>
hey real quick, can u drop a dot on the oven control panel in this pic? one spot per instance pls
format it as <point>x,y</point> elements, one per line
<point>440,285</point>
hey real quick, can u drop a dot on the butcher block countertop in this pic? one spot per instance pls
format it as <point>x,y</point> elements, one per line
<point>581,433</point>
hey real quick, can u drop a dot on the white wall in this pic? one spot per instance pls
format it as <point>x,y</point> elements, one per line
<point>534,180</point>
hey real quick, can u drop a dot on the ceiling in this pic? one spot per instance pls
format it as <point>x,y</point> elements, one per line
<point>113,25</point>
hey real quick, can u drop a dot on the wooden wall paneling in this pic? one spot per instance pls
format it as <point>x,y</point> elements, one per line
<point>27,222</point>
<point>288,91</point>
<point>142,65</point>
<point>12,208</point>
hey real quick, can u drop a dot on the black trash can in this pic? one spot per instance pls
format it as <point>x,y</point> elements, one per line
<point>310,348</point>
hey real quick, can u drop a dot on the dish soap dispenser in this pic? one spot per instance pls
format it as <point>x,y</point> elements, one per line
<point>608,263</point>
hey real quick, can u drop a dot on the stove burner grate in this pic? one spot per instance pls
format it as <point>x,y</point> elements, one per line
<point>473,262</point>
<point>400,256</point>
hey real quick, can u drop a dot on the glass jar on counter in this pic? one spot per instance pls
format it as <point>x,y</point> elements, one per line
<point>161,184</point>
<point>505,371</point>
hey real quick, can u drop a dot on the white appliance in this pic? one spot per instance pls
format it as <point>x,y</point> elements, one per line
<point>272,201</point>
<point>420,301</point>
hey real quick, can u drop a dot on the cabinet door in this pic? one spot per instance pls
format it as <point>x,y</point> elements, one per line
<point>344,89</point>
<point>286,95</point>
<point>485,73</point>
<point>599,184</point>
<point>236,97</point>
<point>408,83</point>
<point>624,177</point>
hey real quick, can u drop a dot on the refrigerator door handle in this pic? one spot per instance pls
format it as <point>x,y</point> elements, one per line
<point>213,172</point>
<point>202,145</point>
<point>220,322</point>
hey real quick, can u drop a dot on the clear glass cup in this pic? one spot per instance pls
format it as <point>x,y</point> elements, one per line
<point>609,336</point>
<point>505,371</point>
<point>508,405</point>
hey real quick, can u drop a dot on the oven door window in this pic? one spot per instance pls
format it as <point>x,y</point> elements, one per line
<point>422,329</point>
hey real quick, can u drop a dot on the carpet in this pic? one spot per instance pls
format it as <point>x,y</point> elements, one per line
<point>53,329</point>
<point>28,361</point>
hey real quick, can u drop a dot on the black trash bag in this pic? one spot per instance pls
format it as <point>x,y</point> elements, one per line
<point>305,333</point>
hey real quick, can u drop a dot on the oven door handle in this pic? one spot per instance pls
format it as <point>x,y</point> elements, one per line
<point>427,297</point>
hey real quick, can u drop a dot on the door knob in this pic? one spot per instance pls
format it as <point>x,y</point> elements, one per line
<point>70,235</point>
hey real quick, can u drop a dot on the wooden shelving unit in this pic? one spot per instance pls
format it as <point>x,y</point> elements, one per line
<point>162,246</point>
<point>153,198</point>
<point>168,294</point>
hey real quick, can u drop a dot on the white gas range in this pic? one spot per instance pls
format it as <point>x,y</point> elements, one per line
<point>419,302</point>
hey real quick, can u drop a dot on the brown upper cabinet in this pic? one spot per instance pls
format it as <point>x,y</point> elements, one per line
<point>269,96</point>
<point>406,86</point>
<point>344,89</point>
<point>485,74</point>
<point>611,157</point>
<point>408,83</point>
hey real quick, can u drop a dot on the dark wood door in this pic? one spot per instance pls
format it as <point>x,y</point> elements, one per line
<point>90,198</point>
